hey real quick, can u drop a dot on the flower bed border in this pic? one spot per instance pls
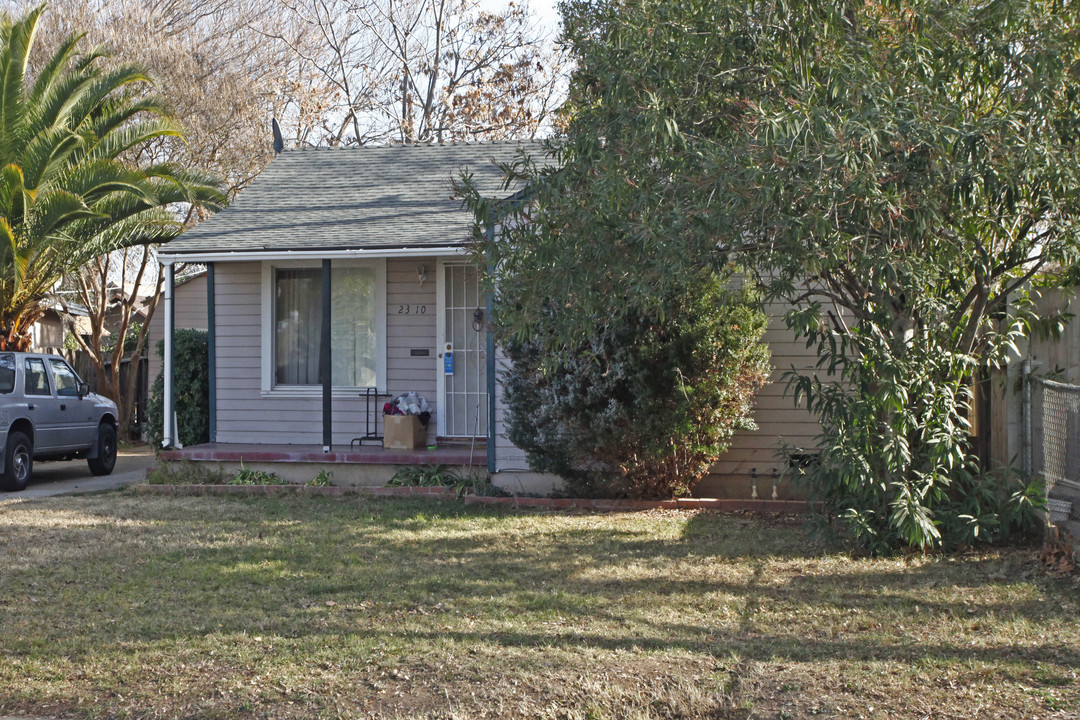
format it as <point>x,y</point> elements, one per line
<point>795,507</point>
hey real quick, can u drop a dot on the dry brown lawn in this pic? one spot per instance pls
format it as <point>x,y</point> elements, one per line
<point>127,606</point>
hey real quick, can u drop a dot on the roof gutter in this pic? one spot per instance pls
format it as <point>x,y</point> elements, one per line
<point>241,255</point>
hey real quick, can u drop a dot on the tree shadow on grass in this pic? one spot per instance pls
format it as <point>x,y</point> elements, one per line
<point>404,575</point>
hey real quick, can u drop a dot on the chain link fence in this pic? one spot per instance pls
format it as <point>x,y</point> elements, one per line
<point>1053,440</point>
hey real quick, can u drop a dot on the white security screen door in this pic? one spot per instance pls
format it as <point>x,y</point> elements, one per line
<point>462,335</point>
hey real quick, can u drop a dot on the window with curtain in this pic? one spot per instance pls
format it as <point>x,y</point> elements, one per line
<point>298,325</point>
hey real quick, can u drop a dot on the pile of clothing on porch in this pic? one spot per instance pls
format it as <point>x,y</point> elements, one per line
<point>409,404</point>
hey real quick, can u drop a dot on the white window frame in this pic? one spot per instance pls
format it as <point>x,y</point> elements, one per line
<point>268,386</point>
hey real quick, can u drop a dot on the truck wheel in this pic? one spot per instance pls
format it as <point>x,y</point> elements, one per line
<point>105,461</point>
<point>18,461</point>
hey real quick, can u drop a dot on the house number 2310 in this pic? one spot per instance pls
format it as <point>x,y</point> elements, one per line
<point>412,309</point>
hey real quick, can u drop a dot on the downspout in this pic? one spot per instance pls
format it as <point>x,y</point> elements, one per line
<point>211,343</point>
<point>1025,414</point>
<point>168,427</point>
<point>491,465</point>
<point>325,366</point>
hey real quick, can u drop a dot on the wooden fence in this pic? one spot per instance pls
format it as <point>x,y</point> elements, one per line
<point>84,366</point>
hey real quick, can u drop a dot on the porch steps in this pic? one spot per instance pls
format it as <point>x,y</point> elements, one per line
<point>371,466</point>
<point>443,455</point>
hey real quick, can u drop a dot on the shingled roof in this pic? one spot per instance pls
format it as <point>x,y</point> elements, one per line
<point>369,198</point>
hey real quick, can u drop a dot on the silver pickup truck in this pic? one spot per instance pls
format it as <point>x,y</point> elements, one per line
<point>48,413</point>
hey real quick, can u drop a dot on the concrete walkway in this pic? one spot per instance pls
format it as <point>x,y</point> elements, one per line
<point>65,478</point>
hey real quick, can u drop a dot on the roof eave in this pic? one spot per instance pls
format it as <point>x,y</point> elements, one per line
<point>197,256</point>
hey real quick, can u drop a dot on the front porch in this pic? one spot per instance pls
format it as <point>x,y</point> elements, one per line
<point>356,466</point>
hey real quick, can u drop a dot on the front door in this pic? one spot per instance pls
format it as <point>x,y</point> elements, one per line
<point>462,352</point>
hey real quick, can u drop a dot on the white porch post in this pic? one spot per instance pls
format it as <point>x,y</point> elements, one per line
<point>168,426</point>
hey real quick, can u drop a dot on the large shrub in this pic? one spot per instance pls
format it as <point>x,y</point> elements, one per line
<point>896,465</point>
<point>649,403</point>
<point>904,215</point>
<point>896,172</point>
<point>191,387</point>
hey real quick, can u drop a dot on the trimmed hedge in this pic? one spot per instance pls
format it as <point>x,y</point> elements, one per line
<point>646,408</point>
<point>191,387</point>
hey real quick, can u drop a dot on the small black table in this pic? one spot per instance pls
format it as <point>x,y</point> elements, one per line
<point>371,427</point>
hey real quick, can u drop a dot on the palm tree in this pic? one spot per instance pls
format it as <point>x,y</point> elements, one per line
<point>66,194</point>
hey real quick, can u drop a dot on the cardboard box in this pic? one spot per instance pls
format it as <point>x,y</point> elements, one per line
<point>403,432</point>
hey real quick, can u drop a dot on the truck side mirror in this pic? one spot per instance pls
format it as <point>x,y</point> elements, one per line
<point>84,389</point>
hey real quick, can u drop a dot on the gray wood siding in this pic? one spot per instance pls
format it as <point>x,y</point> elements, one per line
<point>406,331</point>
<point>190,309</point>
<point>779,421</point>
<point>246,415</point>
<point>243,414</point>
<point>508,457</point>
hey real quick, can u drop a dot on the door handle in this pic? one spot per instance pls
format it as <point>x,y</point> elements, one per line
<point>63,406</point>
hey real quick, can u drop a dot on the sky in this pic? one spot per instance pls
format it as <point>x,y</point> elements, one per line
<point>545,10</point>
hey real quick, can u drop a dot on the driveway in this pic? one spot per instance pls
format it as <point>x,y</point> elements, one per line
<point>63,478</point>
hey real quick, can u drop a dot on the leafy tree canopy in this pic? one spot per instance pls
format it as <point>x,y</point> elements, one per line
<point>66,194</point>
<point>633,360</point>
<point>909,170</point>
<point>897,170</point>
<point>623,205</point>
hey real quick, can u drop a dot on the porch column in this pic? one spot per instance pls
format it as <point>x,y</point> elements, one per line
<point>168,427</point>
<point>325,364</point>
<point>491,465</point>
<point>211,347</point>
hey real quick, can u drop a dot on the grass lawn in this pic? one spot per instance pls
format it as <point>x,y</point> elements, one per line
<point>121,605</point>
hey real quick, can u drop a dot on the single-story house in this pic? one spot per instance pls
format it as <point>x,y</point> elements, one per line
<point>48,333</point>
<point>340,278</point>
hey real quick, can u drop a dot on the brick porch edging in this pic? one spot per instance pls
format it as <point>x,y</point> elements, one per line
<point>796,507</point>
